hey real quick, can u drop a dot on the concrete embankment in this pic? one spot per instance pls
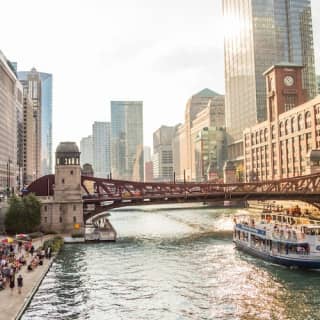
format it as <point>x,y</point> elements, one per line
<point>13,304</point>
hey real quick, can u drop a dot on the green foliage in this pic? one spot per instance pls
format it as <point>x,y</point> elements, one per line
<point>23,215</point>
<point>56,244</point>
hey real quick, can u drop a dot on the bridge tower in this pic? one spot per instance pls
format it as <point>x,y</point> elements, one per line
<point>67,189</point>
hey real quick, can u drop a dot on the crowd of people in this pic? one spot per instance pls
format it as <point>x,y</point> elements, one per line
<point>15,256</point>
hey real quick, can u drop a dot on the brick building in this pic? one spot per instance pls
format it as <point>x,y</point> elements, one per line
<point>281,146</point>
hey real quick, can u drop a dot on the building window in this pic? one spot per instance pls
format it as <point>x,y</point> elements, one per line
<point>62,181</point>
<point>300,123</point>
<point>45,208</point>
<point>273,132</point>
<point>74,219</point>
<point>74,207</point>
<point>71,172</point>
<point>45,219</point>
<point>60,219</point>
<point>265,134</point>
<point>308,119</point>
<point>281,127</point>
<point>293,125</point>
<point>286,127</point>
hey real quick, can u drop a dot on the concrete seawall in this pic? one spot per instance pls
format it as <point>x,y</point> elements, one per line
<point>13,304</point>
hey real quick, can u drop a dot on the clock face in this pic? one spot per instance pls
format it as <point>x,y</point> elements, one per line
<point>288,81</point>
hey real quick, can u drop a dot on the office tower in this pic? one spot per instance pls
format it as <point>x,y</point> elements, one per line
<point>101,149</point>
<point>127,140</point>
<point>86,149</point>
<point>10,126</point>
<point>147,154</point>
<point>32,105</point>
<point>162,154</point>
<point>46,116</point>
<point>203,110</point>
<point>260,34</point>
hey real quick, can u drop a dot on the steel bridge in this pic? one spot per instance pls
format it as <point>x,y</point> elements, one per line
<point>100,195</point>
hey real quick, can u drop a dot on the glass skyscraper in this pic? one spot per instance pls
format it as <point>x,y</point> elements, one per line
<point>46,119</point>
<point>259,34</point>
<point>101,149</point>
<point>127,140</point>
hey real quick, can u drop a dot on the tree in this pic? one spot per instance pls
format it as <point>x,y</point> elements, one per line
<point>23,215</point>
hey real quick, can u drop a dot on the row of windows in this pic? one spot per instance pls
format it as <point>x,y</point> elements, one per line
<point>285,127</point>
<point>60,208</point>
<point>45,219</point>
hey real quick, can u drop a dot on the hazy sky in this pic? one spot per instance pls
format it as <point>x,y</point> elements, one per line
<point>161,52</point>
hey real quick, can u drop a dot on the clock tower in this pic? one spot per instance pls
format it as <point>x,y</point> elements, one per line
<point>284,89</point>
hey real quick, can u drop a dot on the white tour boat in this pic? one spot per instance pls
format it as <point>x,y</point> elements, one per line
<point>279,238</point>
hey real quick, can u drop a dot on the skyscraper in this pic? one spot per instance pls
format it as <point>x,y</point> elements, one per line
<point>204,109</point>
<point>127,140</point>
<point>32,125</point>
<point>101,148</point>
<point>10,125</point>
<point>86,149</point>
<point>46,117</point>
<point>259,34</point>
<point>162,153</point>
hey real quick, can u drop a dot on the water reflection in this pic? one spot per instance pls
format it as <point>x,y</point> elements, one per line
<point>172,265</point>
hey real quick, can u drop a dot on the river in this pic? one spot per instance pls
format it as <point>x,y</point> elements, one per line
<point>171,263</point>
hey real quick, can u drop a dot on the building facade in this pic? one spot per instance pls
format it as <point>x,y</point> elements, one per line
<point>32,91</point>
<point>127,161</point>
<point>210,154</point>
<point>260,34</point>
<point>45,102</point>
<point>203,110</point>
<point>63,211</point>
<point>86,149</point>
<point>279,147</point>
<point>162,154</point>
<point>10,126</point>
<point>101,149</point>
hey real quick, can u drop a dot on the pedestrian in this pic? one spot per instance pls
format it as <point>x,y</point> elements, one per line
<point>20,283</point>
<point>11,283</point>
<point>49,252</point>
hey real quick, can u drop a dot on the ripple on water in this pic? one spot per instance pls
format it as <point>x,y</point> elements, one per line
<point>172,265</point>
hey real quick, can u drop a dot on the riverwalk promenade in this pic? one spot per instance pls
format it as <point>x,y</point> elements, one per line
<point>12,303</point>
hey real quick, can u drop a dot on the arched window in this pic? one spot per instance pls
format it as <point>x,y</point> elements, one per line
<point>293,123</point>
<point>281,127</point>
<point>307,118</point>
<point>300,122</point>
<point>273,132</point>
<point>261,136</point>
<point>286,127</point>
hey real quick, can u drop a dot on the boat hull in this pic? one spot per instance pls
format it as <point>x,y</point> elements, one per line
<point>301,263</point>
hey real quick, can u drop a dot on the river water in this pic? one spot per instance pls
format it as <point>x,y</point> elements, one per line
<point>172,264</point>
